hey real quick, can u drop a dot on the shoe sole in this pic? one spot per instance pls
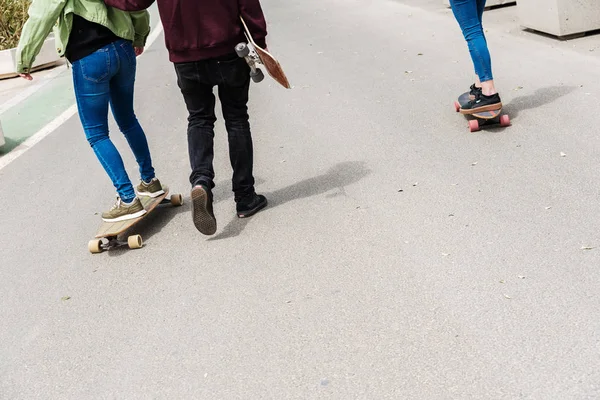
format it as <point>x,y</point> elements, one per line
<point>126,217</point>
<point>249,213</point>
<point>490,107</point>
<point>203,220</point>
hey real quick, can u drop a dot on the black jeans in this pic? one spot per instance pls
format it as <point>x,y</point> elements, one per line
<point>196,80</point>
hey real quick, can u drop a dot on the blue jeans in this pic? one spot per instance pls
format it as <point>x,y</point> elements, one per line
<point>469,14</point>
<point>107,77</point>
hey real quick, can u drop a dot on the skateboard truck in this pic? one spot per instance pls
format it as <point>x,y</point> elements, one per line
<point>108,235</point>
<point>243,51</point>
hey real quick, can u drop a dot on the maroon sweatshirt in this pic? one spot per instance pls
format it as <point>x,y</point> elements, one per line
<point>200,29</point>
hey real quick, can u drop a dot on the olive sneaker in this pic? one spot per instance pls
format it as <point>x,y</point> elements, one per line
<point>122,211</point>
<point>152,189</point>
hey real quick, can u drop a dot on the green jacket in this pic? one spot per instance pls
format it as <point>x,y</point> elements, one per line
<point>44,15</point>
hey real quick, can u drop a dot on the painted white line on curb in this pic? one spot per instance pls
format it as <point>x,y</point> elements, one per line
<point>37,137</point>
<point>61,119</point>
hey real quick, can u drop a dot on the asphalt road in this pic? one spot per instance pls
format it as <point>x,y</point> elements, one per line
<point>401,257</point>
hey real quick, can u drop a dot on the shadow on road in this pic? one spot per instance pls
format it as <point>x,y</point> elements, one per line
<point>338,176</point>
<point>541,97</point>
<point>153,223</point>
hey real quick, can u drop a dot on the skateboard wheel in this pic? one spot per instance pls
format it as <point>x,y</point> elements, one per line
<point>456,106</point>
<point>242,50</point>
<point>504,120</point>
<point>257,76</point>
<point>95,246</point>
<point>473,125</point>
<point>134,242</point>
<point>177,200</point>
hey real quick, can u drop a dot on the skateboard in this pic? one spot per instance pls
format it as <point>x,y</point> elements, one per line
<point>478,120</point>
<point>107,236</point>
<point>256,56</point>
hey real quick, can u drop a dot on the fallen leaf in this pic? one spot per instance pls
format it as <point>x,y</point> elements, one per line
<point>502,281</point>
<point>587,248</point>
<point>518,88</point>
<point>420,54</point>
<point>548,208</point>
<point>65,298</point>
<point>401,190</point>
<point>408,72</point>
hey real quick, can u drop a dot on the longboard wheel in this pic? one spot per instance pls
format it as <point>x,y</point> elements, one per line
<point>242,50</point>
<point>473,125</point>
<point>177,200</point>
<point>504,120</point>
<point>134,242</point>
<point>95,246</point>
<point>257,76</point>
<point>456,106</point>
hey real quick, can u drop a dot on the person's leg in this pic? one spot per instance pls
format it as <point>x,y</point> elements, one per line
<point>196,83</point>
<point>468,13</point>
<point>200,102</point>
<point>121,101</point>
<point>233,93</point>
<point>91,79</point>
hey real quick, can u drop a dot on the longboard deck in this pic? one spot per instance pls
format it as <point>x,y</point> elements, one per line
<point>486,117</point>
<point>273,67</point>
<point>113,229</point>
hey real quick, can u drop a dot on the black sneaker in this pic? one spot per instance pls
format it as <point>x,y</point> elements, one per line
<point>202,210</point>
<point>250,205</point>
<point>482,103</point>
<point>474,91</point>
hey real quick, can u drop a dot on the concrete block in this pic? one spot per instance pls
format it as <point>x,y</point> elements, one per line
<point>47,57</point>
<point>489,3</point>
<point>560,17</point>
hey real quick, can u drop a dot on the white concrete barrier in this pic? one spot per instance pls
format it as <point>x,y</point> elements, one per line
<point>48,57</point>
<point>560,17</point>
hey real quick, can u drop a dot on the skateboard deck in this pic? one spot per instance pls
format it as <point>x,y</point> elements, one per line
<point>108,233</point>
<point>477,120</point>
<point>263,57</point>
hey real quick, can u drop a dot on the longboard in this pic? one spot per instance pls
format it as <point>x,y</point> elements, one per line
<point>107,236</point>
<point>477,120</point>
<point>257,55</point>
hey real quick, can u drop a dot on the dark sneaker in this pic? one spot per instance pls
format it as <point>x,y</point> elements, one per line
<point>482,103</point>
<point>250,205</point>
<point>474,92</point>
<point>202,210</point>
<point>152,189</point>
<point>122,211</point>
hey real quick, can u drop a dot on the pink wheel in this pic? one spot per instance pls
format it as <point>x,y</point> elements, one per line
<point>456,106</point>
<point>505,120</point>
<point>473,125</point>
